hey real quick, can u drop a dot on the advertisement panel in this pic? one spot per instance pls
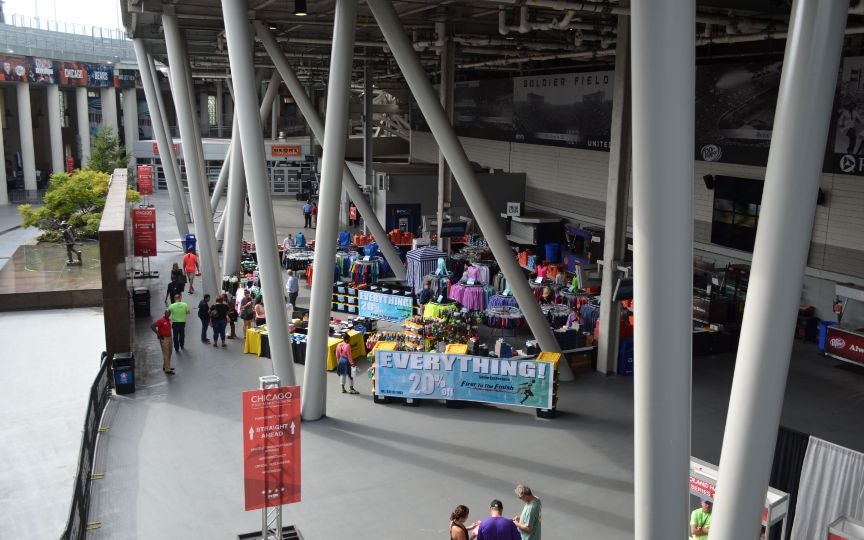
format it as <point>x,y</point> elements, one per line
<point>127,78</point>
<point>176,146</point>
<point>145,179</point>
<point>42,70</point>
<point>522,383</point>
<point>845,345</point>
<point>285,150</point>
<point>845,153</point>
<point>391,307</point>
<point>14,69</point>
<point>72,73</point>
<point>144,232</point>
<point>100,76</point>
<point>271,447</point>
<point>735,111</point>
<point>573,110</point>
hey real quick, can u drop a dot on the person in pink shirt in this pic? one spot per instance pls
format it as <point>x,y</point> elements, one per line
<point>345,364</point>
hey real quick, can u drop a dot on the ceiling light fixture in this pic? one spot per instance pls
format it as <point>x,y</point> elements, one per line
<point>300,8</point>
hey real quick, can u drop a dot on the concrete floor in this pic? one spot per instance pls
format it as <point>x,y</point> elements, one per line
<point>172,453</point>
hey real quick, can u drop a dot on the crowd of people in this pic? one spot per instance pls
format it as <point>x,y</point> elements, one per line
<point>525,526</point>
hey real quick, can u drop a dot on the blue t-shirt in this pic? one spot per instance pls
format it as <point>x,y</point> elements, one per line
<point>497,528</point>
<point>307,208</point>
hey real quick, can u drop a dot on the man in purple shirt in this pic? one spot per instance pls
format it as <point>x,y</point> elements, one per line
<point>496,527</point>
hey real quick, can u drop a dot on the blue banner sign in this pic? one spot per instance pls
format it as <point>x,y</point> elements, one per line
<point>502,381</point>
<point>392,307</point>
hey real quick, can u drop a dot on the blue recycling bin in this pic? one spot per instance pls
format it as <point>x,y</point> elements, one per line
<point>189,242</point>
<point>553,252</point>
<point>124,372</point>
<point>625,356</point>
<point>823,333</point>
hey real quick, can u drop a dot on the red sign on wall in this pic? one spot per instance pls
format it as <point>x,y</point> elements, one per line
<point>144,232</point>
<point>845,345</point>
<point>271,447</point>
<point>285,150</point>
<point>145,179</point>
<point>175,145</point>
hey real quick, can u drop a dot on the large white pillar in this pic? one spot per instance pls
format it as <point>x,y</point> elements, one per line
<point>335,141</point>
<point>445,178</point>
<point>195,175</point>
<point>239,40</point>
<point>219,101</point>
<point>617,189</point>
<point>25,129</point>
<point>54,130</point>
<point>316,126</point>
<point>664,67</point>
<point>166,127</point>
<point>813,48</point>
<point>130,122</point>
<point>447,140</point>
<point>108,98</point>
<point>83,114</point>
<point>163,142</point>
<point>234,207</point>
<point>368,115</point>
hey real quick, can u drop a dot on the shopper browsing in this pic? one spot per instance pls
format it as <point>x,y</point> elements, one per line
<point>700,521</point>
<point>218,319</point>
<point>292,288</point>
<point>204,316</point>
<point>345,364</point>
<point>307,214</point>
<point>458,529</point>
<point>190,266</point>
<point>528,522</point>
<point>497,527</point>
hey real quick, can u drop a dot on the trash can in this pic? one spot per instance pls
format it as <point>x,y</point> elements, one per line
<point>124,372</point>
<point>823,333</point>
<point>189,242</point>
<point>553,252</point>
<point>625,356</point>
<point>141,301</point>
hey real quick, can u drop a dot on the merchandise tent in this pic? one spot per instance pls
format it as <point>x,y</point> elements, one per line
<point>422,262</point>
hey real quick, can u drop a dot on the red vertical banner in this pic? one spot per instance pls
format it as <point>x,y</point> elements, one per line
<point>144,232</point>
<point>70,164</point>
<point>271,447</point>
<point>145,179</point>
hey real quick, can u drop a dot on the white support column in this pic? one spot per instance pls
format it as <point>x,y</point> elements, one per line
<point>368,115</point>
<point>316,125</point>
<point>813,49</point>
<point>273,118</point>
<point>204,113</point>
<point>234,207</point>
<point>4,190</point>
<point>229,103</point>
<point>129,97</point>
<point>430,106</point>
<point>219,102</point>
<point>617,189</point>
<point>163,142</point>
<point>108,98</point>
<point>333,160</point>
<point>195,175</point>
<point>25,133</point>
<point>216,196</point>
<point>83,114</point>
<point>445,177</point>
<point>166,127</point>
<point>663,65</point>
<point>54,130</point>
<point>239,40</point>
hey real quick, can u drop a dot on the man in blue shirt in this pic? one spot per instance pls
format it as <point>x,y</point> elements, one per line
<point>497,527</point>
<point>307,214</point>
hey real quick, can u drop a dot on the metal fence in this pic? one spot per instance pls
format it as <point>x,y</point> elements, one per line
<point>76,526</point>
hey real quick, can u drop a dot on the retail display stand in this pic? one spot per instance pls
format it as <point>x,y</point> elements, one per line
<point>846,528</point>
<point>845,343</point>
<point>703,483</point>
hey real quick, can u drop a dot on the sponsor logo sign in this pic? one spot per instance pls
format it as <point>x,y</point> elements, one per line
<point>504,381</point>
<point>13,68</point>
<point>72,73</point>
<point>176,146</point>
<point>845,345</point>
<point>42,70</point>
<point>145,179</point>
<point>100,76</point>
<point>285,150</point>
<point>271,447</point>
<point>144,232</point>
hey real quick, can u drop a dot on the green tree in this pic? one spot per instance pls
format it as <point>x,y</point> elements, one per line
<point>77,198</point>
<point>107,153</point>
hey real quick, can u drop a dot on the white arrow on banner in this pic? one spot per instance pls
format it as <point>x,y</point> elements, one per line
<point>251,433</point>
<point>292,427</point>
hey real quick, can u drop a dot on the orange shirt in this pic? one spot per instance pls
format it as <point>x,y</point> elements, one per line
<point>190,262</point>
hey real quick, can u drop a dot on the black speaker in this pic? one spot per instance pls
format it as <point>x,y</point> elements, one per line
<point>709,181</point>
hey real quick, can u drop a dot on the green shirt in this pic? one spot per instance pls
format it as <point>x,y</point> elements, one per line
<point>700,518</point>
<point>179,310</point>
<point>531,517</point>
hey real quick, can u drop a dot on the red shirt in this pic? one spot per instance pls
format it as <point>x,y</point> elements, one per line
<point>190,262</point>
<point>163,327</point>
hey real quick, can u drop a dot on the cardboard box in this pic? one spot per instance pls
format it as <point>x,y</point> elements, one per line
<point>582,362</point>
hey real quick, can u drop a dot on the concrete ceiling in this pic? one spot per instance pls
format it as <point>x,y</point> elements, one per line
<point>552,35</point>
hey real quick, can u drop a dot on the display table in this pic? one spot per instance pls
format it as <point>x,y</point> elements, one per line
<point>844,343</point>
<point>472,297</point>
<point>358,348</point>
<point>434,310</point>
<point>257,342</point>
<point>500,300</point>
<point>846,528</point>
<point>456,348</point>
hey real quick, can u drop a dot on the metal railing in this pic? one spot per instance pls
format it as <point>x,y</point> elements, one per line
<point>76,526</point>
<point>50,25</point>
<point>96,45</point>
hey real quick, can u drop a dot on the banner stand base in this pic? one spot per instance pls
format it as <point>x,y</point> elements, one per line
<point>288,533</point>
